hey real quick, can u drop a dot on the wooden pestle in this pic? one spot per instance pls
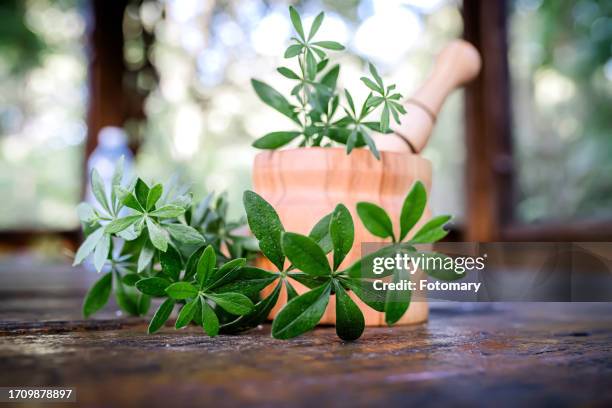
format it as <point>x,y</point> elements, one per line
<point>458,63</point>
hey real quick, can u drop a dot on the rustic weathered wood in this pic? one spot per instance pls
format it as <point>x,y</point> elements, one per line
<point>304,185</point>
<point>466,355</point>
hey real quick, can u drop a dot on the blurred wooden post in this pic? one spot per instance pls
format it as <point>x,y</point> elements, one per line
<point>489,168</point>
<point>106,69</point>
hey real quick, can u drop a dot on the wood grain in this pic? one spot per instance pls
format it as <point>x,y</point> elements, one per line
<point>304,185</point>
<point>469,355</point>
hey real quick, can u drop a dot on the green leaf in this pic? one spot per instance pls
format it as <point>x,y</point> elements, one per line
<point>349,99</point>
<point>305,254</point>
<point>266,226</point>
<point>287,73</point>
<point>293,50</point>
<point>186,314</point>
<point>375,219</point>
<point>146,256</point>
<point>275,140</point>
<point>432,231</point>
<point>153,286</point>
<point>363,267</point>
<point>184,234</point>
<point>88,246</point>
<point>330,45</point>
<point>321,65</point>
<point>210,321</point>
<point>144,304</point>
<point>297,22</point>
<point>291,292</point>
<point>351,142</point>
<point>316,24</point>
<point>342,232</point>
<point>120,193</point>
<point>183,201</point>
<point>396,117</point>
<point>371,145</point>
<point>161,315</point>
<point>206,265</point>
<point>97,188</point>
<point>101,252</point>
<point>171,262</point>
<point>168,211</point>
<point>365,108</point>
<point>377,77</point>
<point>364,289</point>
<point>260,313</point>
<point>349,319</point>
<point>154,195</point>
<point>320,234</point>
<point>142,192</point>
<point>321,54</point>
<point>309,281</point>
<point>181,290</point>
<point>132,232</point>
<point>234,303</point>
<point>400,108</point>
<point>375,126</point>
<point>372,102</point>
<point>130,279</point>
<point>98,295</point>
<point>192,264</point>
<point>301,314</point>
<point>86,212</point>
<point>250,282</point>
<point>384,119</point>
<point>129,200</point>
<point>331,77</point>
<point>117,177</point>
<point>127,301</point>
<point>412,209</point>
<point>226,273</point>
<point>311,65</point>
<point>397,301</point>
<point>120,224</point>
<point>370,84</point>
<point>274,99</point>
<point>159,237</point>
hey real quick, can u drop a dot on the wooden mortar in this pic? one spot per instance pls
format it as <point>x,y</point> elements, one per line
<point>304,185</point>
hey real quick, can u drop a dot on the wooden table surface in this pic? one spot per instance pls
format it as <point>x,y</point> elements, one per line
<point>466,355</point>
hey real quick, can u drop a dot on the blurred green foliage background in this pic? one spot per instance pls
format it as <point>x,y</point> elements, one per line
<point>202,115</point>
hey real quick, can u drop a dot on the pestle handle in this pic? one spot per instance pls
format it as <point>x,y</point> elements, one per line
<point>458,63</point>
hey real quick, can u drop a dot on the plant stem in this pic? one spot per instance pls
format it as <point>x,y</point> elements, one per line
<point>305,94</point>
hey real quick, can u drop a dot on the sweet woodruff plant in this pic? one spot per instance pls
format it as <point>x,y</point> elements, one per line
<point>323,116</point>
<point>150,241</point>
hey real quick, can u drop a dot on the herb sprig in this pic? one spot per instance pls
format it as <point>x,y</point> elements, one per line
<point>140,233</point>
<point>316,112</point>
<point>376,220</point>
<point>159,245</point>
